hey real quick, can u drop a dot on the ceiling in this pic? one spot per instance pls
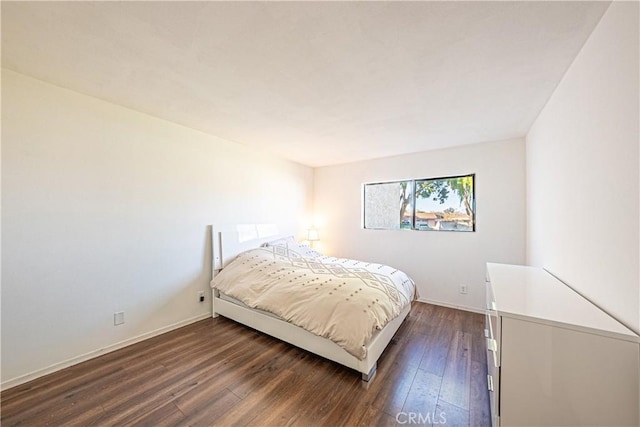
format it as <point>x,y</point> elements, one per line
<point>319,83</point>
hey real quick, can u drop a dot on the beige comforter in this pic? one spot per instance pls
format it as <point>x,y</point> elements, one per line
<point>339,299</point>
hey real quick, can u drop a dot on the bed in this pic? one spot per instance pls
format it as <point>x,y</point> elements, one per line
<point>258,265</point>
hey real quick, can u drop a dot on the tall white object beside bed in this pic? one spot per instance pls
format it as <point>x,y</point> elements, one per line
<point>226,246</point>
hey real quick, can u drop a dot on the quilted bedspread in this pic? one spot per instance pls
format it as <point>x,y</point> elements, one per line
<point>343,300</point>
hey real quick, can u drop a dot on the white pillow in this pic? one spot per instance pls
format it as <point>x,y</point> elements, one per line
<point>280,242</point>
<point>297,250</point>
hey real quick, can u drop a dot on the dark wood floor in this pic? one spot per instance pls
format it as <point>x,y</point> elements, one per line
<point>217,372</point>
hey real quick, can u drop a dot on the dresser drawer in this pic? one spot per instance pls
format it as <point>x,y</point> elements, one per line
<point>492,326</point>
<point>490,301</point>
<point>493,384</point>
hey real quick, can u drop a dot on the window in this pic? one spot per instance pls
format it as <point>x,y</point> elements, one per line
<point>381,207</point>
<point>437,204</point>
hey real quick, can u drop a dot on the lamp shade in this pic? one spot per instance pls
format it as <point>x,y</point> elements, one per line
<point>312,235</point>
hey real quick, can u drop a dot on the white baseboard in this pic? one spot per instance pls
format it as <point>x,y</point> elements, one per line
<point>458,307</point>
<point>99,352</point>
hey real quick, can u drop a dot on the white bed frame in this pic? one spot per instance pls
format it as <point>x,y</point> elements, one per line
<point>226,246</point>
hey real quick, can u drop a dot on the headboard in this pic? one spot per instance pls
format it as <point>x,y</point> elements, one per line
<point>231,241</point>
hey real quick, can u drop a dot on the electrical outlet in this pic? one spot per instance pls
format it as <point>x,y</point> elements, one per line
<point>201,296</point>
<point>463,289</point>
<point>118,318</point>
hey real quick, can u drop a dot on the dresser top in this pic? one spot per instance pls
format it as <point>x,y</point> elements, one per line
<point>532,293</point>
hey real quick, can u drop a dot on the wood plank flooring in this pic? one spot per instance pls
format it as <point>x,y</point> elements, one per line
<point>219,373</point>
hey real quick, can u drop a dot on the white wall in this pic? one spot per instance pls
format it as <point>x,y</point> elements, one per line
<point>438,261</point>
<point>582,163</point>
<point>106,209</point>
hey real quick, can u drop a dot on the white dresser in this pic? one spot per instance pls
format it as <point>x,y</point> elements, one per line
<point>554,358</point>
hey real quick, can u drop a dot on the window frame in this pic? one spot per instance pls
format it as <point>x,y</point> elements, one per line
<point>397,181</point>
<point>413,183</point>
